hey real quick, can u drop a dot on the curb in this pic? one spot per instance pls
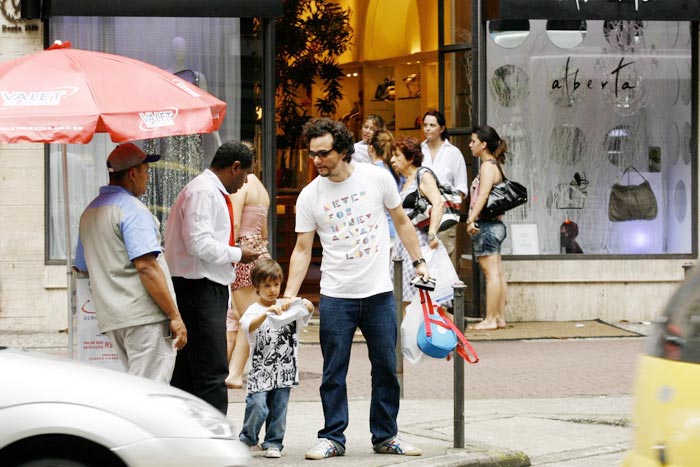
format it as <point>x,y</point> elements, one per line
<point>467,458</point>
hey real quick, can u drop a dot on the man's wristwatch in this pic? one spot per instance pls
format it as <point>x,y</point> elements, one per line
<point>418,261</point>
<point>431,237</point>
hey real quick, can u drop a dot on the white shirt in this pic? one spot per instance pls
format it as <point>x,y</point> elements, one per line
<point>350,220</point>
<point>198,230</point>
<point>361,153</point>
<point>448,165</point>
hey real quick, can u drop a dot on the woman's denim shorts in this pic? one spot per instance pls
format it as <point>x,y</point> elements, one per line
<point>489,239</point>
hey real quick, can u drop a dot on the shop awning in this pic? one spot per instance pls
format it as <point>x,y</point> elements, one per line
<point>649,10</point>
<point>169,8</point>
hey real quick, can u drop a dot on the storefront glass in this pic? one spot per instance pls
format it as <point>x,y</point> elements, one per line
<point>221,55</point>
<point>457,22</point>
<point>586,105</point>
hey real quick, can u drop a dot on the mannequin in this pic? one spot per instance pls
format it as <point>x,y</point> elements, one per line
<point>178,67</point>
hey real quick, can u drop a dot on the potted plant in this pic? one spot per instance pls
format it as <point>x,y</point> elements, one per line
<point>311,35</point>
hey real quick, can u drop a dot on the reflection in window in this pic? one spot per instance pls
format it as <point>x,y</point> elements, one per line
<point>620,146</point>
<point>686,146</point>
<point>518,142</point>
<point>624,36</point>
<point>509,85</point>
<point>680,201</point>
<point>567,144</point>
<point>673,143</point>
<point>509,33</point>
<point>566,34</point>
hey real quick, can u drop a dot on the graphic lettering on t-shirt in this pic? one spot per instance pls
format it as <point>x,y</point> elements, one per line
<point>359,230</point>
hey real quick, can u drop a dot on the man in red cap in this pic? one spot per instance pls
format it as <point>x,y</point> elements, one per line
<point>119,246</point>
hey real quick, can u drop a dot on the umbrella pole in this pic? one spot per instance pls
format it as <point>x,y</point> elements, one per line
<point>69,249</point>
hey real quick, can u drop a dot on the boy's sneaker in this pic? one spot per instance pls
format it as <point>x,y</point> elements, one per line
<point>397,446</point>
<point>255,449</point>
<point>273,453</point>
<point>323,450</point>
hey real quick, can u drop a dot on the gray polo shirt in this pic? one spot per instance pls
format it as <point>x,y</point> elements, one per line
<point>114,229</point>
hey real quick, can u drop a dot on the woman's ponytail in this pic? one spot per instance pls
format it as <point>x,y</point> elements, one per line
<point>500,152</point>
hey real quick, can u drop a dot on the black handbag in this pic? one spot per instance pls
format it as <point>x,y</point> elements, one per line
<point>452,202</point>
<point>503,197</point>
<point>632,202</point>
<point>385,89</point>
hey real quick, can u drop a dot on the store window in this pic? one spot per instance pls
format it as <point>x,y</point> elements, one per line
<point>587,105</point>
<point>221,55</point>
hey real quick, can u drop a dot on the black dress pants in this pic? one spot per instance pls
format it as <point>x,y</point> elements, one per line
<point>201,366</point>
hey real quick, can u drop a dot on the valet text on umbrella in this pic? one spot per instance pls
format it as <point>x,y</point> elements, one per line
<point>36,98</point>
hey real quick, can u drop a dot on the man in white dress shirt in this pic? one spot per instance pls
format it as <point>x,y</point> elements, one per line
<point>200,253</point>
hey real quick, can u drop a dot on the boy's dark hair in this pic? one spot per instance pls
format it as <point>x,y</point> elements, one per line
<point>230,152</point>
<point>265,268</point>
<point>342,138</point>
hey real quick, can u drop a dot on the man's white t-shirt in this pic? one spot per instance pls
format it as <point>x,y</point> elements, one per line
<point>350,220</point>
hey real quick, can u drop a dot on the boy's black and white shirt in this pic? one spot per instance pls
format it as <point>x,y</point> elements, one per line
<point>274,352</point>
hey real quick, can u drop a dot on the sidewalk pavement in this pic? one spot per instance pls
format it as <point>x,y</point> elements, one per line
<point>563,403</point>
<point>562,432</point>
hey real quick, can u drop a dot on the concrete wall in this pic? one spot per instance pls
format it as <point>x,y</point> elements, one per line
<point>32,295</point>
<point>611,290</point>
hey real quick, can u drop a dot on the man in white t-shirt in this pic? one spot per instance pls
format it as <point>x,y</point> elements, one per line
<point>345,206</point>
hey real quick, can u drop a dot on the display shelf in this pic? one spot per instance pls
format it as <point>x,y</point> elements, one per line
<point>410,101</point>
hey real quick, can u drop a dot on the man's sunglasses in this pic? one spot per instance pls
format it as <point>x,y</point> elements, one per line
<point>322,153</point>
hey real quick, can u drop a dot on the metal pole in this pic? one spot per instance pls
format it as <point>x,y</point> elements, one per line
<point>269,142</point>
<point>398,296</point>
<point>458,308</point>
<point>69,249</point>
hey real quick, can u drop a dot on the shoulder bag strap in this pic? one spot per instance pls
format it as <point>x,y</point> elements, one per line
<point>425,169</point>
<point>503,176</point>
<point>627,169</point>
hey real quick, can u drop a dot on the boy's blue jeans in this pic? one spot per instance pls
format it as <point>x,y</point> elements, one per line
<point>376,318</point>
<point>269,407</point>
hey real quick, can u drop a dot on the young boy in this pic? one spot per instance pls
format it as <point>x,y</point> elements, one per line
<point>272,326</point>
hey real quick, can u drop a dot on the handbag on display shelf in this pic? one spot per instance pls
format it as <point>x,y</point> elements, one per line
<point>503,197</point>
<point>452,201</point>
<point>632,202</point>
<point>413,84</point>
<point>386,89</point>
<point>437,334</point>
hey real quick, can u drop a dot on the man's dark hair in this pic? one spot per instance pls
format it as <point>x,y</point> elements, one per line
<point>342,138</point>
<point>230,152</point>
<point>117,177</point>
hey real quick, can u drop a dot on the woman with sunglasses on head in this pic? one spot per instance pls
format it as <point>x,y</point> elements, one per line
<point>488,234</point>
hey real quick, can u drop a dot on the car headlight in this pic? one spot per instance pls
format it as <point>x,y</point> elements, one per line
<point>210,418</point>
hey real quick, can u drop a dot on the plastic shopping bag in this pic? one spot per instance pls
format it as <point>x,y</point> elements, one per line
<point>409,331</point>
<point>440,267</point>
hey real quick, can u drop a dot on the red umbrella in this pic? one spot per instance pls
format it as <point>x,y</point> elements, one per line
<point>65,95</point>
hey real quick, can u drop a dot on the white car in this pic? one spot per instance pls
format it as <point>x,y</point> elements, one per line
<point>63,413</point>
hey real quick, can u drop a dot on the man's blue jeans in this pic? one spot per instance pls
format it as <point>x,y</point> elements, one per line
<point>376,318</point>
<point>269,407</point>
